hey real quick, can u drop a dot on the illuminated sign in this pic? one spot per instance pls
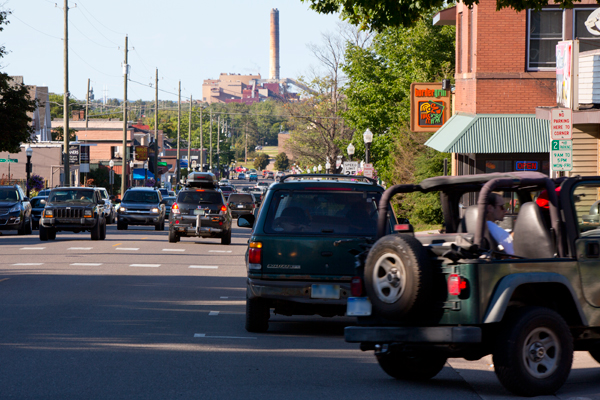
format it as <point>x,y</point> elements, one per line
<point>526,165</point>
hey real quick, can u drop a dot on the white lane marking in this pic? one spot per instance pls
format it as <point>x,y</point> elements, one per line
<point>173,249</point>
<point>224,297</point>
<point>29,264</point>
<point>213,313</point>
<point>204,266</point>
<point>86,264</point>
<point>79,248</point>
<point>145,265</point>
<point>32,248</point>
<point>128,248</point>
<point>219,251</point>
<point>203,335</point>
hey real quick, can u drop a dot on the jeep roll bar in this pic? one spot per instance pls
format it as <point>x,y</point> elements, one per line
<point>329,176</point>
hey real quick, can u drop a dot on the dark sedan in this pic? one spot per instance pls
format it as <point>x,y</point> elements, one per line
<point>36,210</point>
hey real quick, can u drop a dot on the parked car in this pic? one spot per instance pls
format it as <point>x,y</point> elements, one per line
<point>15,210</point>
<point>200,210</point>
<point>300,258</point>
<point>421,299</point>
<point>241,176</point>
<point>37,206</point>
<point>73,209</point>
<point>253,177</point>
<point>141,206</point>
<point>241,203</point>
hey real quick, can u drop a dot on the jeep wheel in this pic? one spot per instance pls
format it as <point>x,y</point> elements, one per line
<point>51,233</point>
<point>173,237</point>
<point>103,231</point>
<point>398,278</point>
<point>227,238</point>
<point>257,315</point>
<point>43,233</point>
<point>410,367</point>
<point>534,352</point>
<point>96,230</point>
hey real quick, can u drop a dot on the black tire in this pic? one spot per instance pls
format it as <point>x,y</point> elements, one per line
<point>398,277</point>
<point>595,354</point>
<point>121,226</point>
<point>43,233</point>
<point>534,352</point>
<point>29,226</point>
<point>227,238</point>
<point>111,218</point>
<point>257,315</point>
<point>410,367</point>
<point>51,234</point>
<point>160,226</point>
<point>96,230</point>
<point>25,226</point>
<point>103,231</point>
<point>173,237</point>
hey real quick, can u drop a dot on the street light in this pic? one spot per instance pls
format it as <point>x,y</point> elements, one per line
<point>327,166</point>
<point>131,164</point>
<point>315,169</point>
<point>350,151</point>
<point>29,152</point>
<point>111,179</point>
<point>146,172</point>
<point>368,138</point>
<point>320,168</point>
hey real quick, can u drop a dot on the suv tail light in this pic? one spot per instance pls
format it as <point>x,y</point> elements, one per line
<point>175,208</point>
<point>223,209</point>
<point>356,286</point>
<point>255,256</point>
<point>456,284</point>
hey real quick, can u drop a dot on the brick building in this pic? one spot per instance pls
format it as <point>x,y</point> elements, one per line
<point>505,69</point>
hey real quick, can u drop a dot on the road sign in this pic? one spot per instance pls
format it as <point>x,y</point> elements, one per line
<point>350,167</point>
<point>11,160</point>
<point>562,155</point>
<point>561,124</point>
<point>369,170</point>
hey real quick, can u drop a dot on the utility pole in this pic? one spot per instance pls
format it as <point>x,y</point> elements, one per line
<point>124,145</point>
<point>210,144</point>
<point>201,142</point>
<point>246,151</point>
<point>190,137</point>
<point>178,136</point>
<point>87,103</point>
<point>156,131</point>
<point>65,154</point>
<point>218,144</point>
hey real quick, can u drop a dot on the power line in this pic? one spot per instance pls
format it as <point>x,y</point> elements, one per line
<point>86,63</point>
<point>43,33</point>
<point>97,44</point>
<point>99,31</point>
<point>92,15</point>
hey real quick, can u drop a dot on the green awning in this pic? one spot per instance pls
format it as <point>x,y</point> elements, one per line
<point>492,133</point>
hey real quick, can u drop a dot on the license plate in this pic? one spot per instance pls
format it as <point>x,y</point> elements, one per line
<point>240,206</point>
<point>198,212</point>
<point>358,307</point>
<point>325,291</point>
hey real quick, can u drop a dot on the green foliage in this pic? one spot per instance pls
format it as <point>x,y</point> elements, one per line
<point>282,162</point>
<point>377,15</point>
<point>57,103</point>
<point>57,133</point>
<point>100,177</point>
<point>261,161</point>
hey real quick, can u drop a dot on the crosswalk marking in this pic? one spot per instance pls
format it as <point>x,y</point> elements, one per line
<point>29,264</point>
<point>128,248</point>
<point>213,313</point>
<point>173,249</point>
<point>32,248</point>
<point>145,265</point>
<point>79,248</point>
<point>219,251</point>
<point>204,266</point>
<point>86,264</point>
<point>203,335</point>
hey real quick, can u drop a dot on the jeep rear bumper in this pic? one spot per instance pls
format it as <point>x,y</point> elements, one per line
<point>412,334</point>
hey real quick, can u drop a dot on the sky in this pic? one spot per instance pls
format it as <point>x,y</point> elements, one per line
<point>187,40</point>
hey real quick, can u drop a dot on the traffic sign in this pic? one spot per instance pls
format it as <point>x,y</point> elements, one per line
<point>350,167</point>
<point>561,124</point>
<point>369,170</point>
<point>10,160</point>
<point>562,155</point>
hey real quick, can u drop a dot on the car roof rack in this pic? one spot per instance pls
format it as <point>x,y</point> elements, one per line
<point>328,177</point>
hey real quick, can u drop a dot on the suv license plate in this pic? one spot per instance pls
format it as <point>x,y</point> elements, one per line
<point>358,307</point>
<point>325,291</point>
<point>198,212</point>
<point>240,206</point>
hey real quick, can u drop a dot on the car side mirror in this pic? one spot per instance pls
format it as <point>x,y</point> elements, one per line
<point>246,221</point>
<point>43,201</point>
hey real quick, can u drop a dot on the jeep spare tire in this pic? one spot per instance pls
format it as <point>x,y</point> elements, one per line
<point>398,277</point>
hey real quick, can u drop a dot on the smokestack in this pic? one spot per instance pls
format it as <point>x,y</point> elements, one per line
<point>274,67</point>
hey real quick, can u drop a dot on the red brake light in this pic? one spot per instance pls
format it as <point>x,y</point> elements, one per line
<point>175,208</point>
<point>255,253</point>
<point>456,284</point>
<point>223,208</point>
<point>356,286</point>
<point>199,190</point>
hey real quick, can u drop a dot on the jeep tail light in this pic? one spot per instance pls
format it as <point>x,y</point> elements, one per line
<point>175,209</point>
<point>356,286</point>
<point>456,284</point>
<point>255,255</point>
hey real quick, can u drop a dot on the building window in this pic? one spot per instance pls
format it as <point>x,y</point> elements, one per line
<point>587,41</point>
<point>544,33</point>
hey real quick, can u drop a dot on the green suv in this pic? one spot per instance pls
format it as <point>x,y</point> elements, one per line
<point>300,258</point>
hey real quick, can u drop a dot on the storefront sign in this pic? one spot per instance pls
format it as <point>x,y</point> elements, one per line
<point>561,124</point>
<point>141,153</point>
<point>73,154</point>
<point>84,159</point>
<point>561,156</point>
<point>429,106</point>
<point>526,166</point>
<point>567,77</point>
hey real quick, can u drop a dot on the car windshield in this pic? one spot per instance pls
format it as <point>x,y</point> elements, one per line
<point>321,212</point>
<point>170,201</point>
<point>200,197</point>
<point>226,189</point>
<point>8,194</point>
<point>66,195</point>
<point>241,198</point>
<point>140,197</point>
<point>37,202</point>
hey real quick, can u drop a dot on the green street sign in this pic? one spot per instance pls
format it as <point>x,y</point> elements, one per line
<point>12,160</point>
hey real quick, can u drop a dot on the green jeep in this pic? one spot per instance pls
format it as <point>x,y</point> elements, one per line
<point>456,294</point>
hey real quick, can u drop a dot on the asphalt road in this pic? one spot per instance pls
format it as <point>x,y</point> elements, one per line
<point>136,317</point>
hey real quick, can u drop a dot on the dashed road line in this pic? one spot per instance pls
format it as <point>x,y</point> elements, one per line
<point>118,244</point>
<point>128,248</point>
<point>29,264</point>
<point>219,251</point>
<point>224,297</point>
<point>79,248</point>
<point>145,265</point>
<point>86,264</point>
<point>204,266</point>
<point>32,248</point>
<point>203,335</point>
<point>213,313</point>
<point>173,250</point>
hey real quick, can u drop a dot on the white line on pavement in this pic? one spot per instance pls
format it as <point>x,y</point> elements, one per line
<point>203,335</point>
<point>145,265</point>
<point>32,248</point>
<point>204,266</point>
<point>79,248</point>
<point>86,264</point>
<point>219,251</point>
<point>213,313</point>
<point>28,264</point>
<point>128,248</point>
<point>224,297</point>
<point>173,249</point>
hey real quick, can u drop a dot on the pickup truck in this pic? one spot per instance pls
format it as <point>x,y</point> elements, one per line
<point>421,299</point>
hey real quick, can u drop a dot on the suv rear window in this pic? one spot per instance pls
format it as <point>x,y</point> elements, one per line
<point>321,212</point>
<point>241,198</point>
<point>227,188</point>
<point>193,197</point>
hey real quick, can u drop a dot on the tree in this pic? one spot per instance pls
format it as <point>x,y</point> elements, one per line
<point>261,161</point>
<point>281,162</point>
<point>377,15</point>
<point>57,134</point>
<point>15,103</point>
